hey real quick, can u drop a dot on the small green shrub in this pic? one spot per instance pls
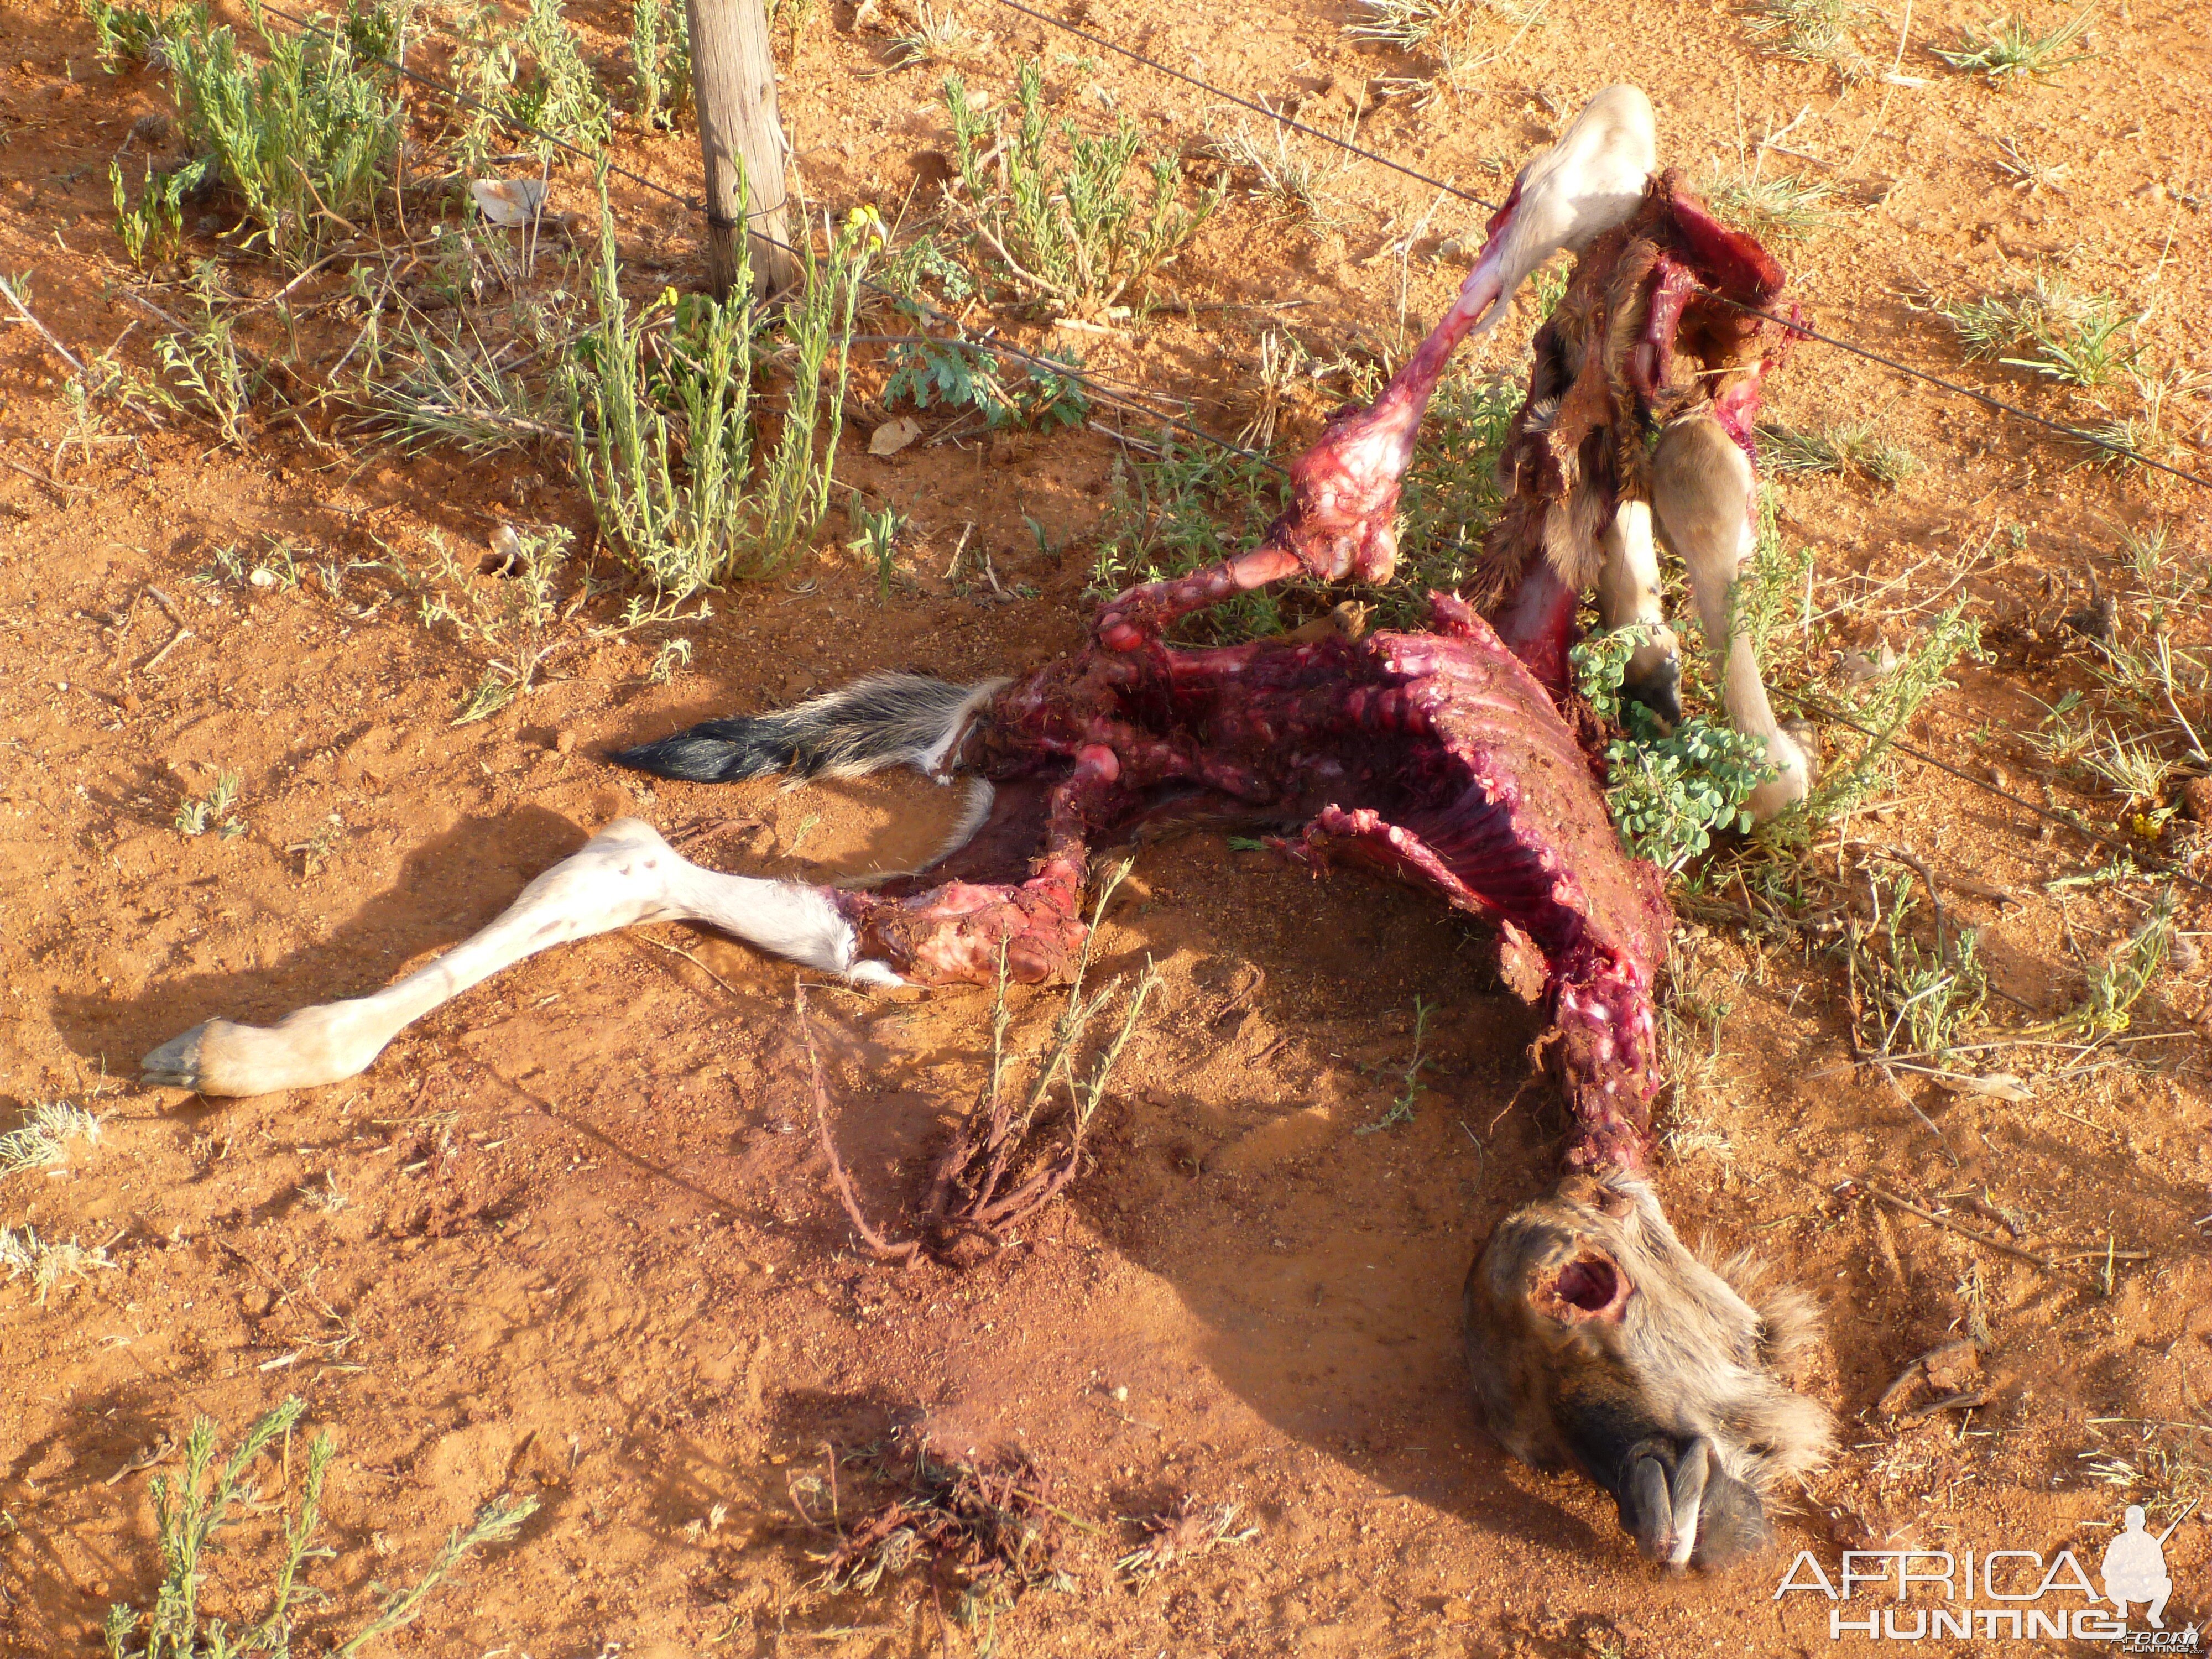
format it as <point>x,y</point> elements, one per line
<point>666,418</point>
<point>660,61</point>
<point>1068,232</point>
<point>928,373</point>
<point>204,1500</point>
<point>306,137</point>
<point>1669,792</point>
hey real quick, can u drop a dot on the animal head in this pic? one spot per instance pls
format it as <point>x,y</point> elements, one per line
<point>1598,1340</point>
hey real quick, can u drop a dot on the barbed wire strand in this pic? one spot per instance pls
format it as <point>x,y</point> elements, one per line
<point>1295,126</point>
<point>2079,433</point>
<point>989,348</point>
<point>1810,705</point>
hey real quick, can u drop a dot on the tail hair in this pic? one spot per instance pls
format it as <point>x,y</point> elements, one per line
<point>885,720</point>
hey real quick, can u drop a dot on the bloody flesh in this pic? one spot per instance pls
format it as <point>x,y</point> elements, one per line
<point>1434,757</point>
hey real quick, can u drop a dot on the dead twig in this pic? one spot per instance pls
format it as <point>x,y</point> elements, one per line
<point>839,1182</point>
<point>1999,1245</point>
<point>45,333</point>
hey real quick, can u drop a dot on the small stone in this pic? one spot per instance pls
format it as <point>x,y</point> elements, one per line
<point>566,743</point>
<point>128,702</point>
<point>2197,800</point>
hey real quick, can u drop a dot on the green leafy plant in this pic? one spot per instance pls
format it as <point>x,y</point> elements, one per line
<point>666,438</point>
<point>507,605</point>
<point>660,61</point>
<point>876,539</point>
<point>1907,998</point>
<point>205,1499</point>
<point>928,373</point>
<point>213,811</point>
<point>1770,205</point>
<point>1885,706</point>
<point>124,32</point>
<point>1854,447</point>
<point>560,95</point>
<point>2010,46</point>
<point>2058,332</point>
<point>1065,231</point>
<point>1668,791</point>
<point>155,227</point>
<point>306,137</point>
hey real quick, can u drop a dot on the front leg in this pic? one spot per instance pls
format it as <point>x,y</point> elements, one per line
<point>1628,595</point>
<point>1703,490</point>
<point>626,875</point>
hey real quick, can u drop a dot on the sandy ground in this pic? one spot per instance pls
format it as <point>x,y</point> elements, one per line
<point>570,1237</point>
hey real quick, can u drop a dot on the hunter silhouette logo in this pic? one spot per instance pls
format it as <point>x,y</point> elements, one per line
<point>2135,1569</point>
<point>2014,1593</point>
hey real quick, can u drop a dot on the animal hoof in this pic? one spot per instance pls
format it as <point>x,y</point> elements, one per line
<point>1802,732</point>
<point>1598,1342</point>
<point>1659,690</point>
<point>176,1063</point>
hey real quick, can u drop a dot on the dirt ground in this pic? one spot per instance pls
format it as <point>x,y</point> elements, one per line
<point>570,1237</point>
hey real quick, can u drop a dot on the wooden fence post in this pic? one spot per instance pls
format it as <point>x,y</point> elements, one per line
<point>733,87</point>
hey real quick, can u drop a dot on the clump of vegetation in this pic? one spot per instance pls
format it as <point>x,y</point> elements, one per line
<point>1287,172</point>
<point>660,61</point>
<point>2010,48</point>
<point>506,604</point>
<point>1186,1532</point>
<point>667,424</point>
<point>454,389</point>
<point>1668,791</point>
<point>49,1264</point>
<point>535,73</point>
<point>1780,205</point>
<point>306,136</point>
<point>205,1499</point>
<point>991,1530</point>
<point>155,227</point>
<point>43,1140</point>
<point>1459,37</point>
<point>1885,706</point>
<point>929,373</point>
<point>214,810</point>
<point>560,95</point>
<point>2062,333</point>
<point>1068,231</point>
<point>1817,32</point>
<point>1839,451</point>
<point>1908,998</point>
<point>939,37</point>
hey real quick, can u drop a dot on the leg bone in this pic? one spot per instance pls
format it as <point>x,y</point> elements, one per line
<point>1703,492</point>
<point>1628,594</point>
<point>626,875</point>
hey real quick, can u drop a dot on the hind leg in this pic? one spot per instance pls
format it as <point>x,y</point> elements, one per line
<point>625,876</point>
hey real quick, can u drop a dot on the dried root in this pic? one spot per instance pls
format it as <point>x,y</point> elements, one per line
<point>988,1534</point>
<point>990,1177</point>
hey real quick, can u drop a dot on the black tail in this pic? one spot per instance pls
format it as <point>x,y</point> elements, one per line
<point>885,720</point>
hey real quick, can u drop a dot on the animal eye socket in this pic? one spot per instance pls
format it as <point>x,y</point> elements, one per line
<point>1589,1284</point>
